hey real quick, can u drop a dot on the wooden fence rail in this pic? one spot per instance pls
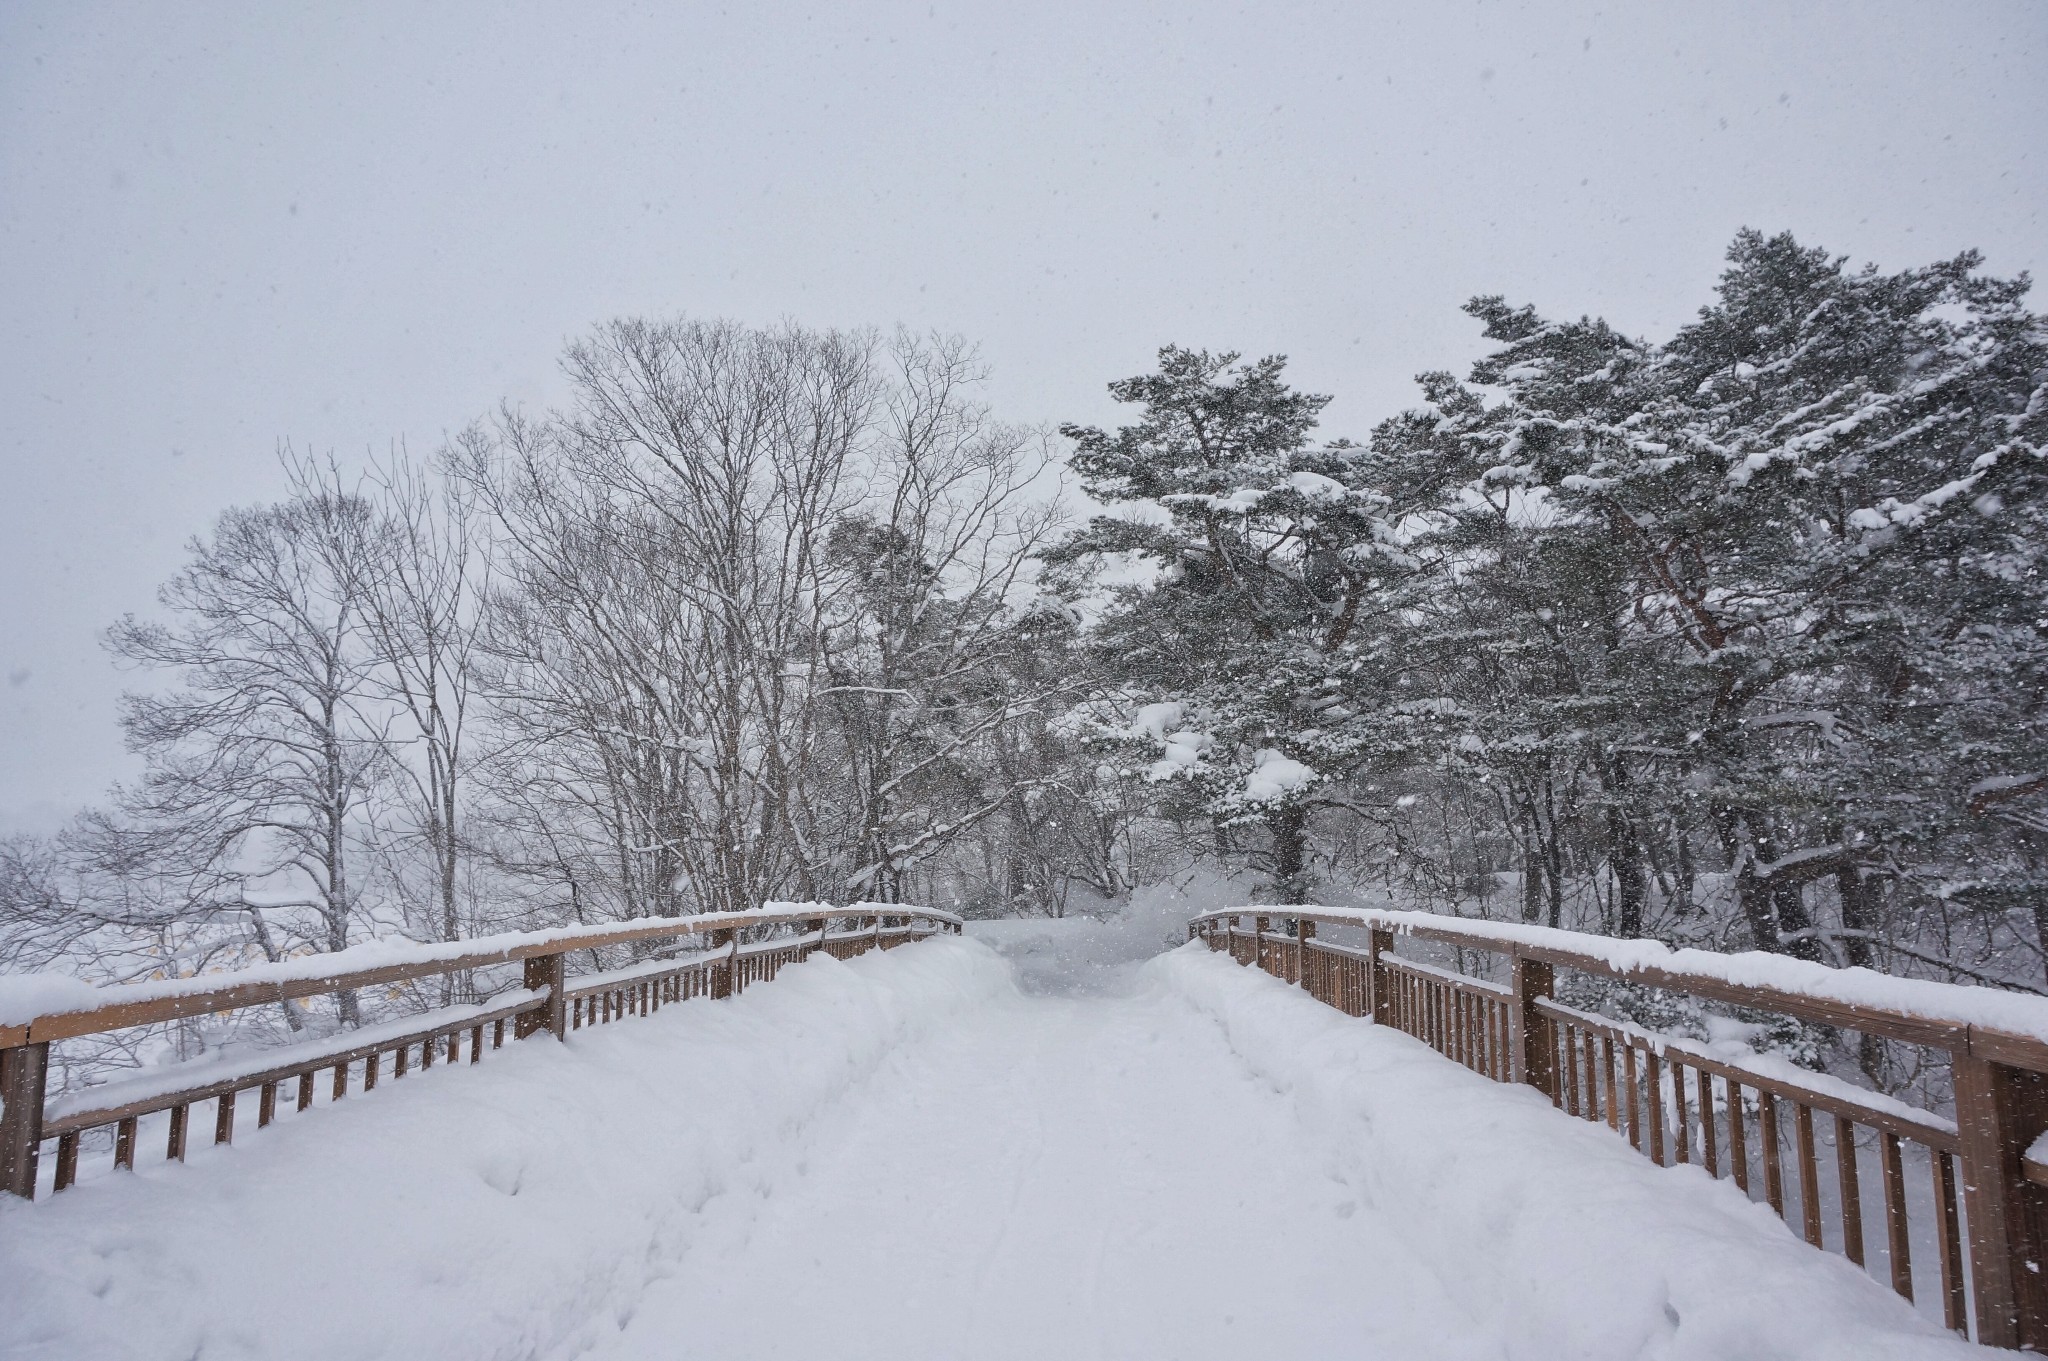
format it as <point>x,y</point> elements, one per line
<point>1789,1131</point>
<point>549,1002</point>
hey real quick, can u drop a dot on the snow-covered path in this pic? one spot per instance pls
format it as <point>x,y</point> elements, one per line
<point>1070,1177</point>
<point>939,1153</point>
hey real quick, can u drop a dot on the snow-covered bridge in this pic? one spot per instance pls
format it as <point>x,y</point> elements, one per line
<point>1041,1139</point>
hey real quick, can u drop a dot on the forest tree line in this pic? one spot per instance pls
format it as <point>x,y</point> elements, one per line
<point>1732,638</point>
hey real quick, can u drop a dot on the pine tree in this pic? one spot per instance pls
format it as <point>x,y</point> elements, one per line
<point>1246,652</point>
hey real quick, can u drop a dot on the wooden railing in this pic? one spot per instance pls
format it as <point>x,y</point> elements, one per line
<point>549,1001</point>
<point>1984,1206</point>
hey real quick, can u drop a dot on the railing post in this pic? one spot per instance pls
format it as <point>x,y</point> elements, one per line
<point>1260,926</point>
<point>549,972</point>
<point>1535,1052</point>
<point>1304,932</point>
<point>1999,1112</point>
<point>24,1073</point>
<point>722,972</point>
<point>1381,942</point>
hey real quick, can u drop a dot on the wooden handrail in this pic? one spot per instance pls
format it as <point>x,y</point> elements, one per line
<point>1964,1029</point>
<point>548,1002</point>
<point>132,1004</point>
<point>1990,1199</point>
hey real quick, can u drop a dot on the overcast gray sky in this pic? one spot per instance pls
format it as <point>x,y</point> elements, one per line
<point>348,225</point>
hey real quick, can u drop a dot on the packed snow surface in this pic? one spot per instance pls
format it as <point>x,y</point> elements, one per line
<point>939,1152</point>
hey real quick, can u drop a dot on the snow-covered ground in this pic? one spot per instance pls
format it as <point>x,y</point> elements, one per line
<point>912,1156</point>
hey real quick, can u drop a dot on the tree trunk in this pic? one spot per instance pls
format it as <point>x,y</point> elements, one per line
<point>1532,878</point>
<point>1625,858</point>
<point>1289,827</point>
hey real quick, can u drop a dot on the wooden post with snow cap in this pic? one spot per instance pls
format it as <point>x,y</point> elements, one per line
<point>1534,1052</point>
<point>24,1073</point>
<point>548,973</point>
<point>1382,996</point>
<point>722,972</point>
<point>2000,1111</point>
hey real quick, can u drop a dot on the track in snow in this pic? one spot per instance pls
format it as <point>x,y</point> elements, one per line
<point>1060,1176</point>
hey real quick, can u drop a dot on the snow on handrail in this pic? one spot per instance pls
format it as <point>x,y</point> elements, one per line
<point>47,1006</point>
<point>2007,1027</point>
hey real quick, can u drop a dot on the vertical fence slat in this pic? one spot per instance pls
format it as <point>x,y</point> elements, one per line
<point>1949,1240</point>
<point>1709,1148</point>
<point>1681,1126</point>
<point>1898,1239</point>
<point>1571,1068</point>
<point>1767,1135</point>
<point>174,1142</point>
<point>67,1160</point>
<point>1851,1189</point>
<point>1607,1072</point>
<point>1738,1137</point>
<point>1653,1091</point>
<point>1809,1172</point>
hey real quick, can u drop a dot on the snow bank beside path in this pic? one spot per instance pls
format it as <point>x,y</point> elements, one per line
<point>497,1211</point>
<point>1574,1244</point>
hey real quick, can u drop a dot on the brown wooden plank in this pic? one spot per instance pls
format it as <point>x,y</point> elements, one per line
<point>1571,1069</point>
<point>2017,1050</point>
<point>1710,1151</point>
<point>1532,982</point>
<point>1738,1136</point>
<point>476,1043</point>
<point>67,1161</point>
<point>1948,1240</point>
<point>1809,1173</point>
<point>1681,1124</point>
<point>1590,1043</point>
<point>1653,1103</point>
<point>2001,1111</point>
<point>266,1105</point>
<point>1851,1188</point>
<point>116,1014</point>
<point>1767,1136</point>
<point>1632,1081</point>
<point>1925,1131</point>
<point>124,1143</point>
<point>224,1118</point>
<point>174,1143</point>
<point>24,1080</point>
<point>1607,1072</point>
<point>1898,1236</point>
<point>301,1066</point>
